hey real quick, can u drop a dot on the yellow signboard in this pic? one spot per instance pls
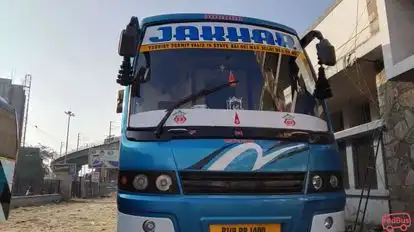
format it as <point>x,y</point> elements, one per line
<point>219,45</point>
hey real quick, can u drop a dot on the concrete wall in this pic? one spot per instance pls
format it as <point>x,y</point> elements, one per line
<point>5,85</point>
<point>22,201</point>
<point>396,100</point>
<point>397,35</point>
<point>400,15</point>
<point>357,28</point>
<point>65,185</point>
<point>18,100</point>
<point>376,208</point>
<point>347,25</point>
<point>378,201</point>
<point>15,96</point>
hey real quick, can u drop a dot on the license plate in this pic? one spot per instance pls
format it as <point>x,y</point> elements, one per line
<point>245,228</point>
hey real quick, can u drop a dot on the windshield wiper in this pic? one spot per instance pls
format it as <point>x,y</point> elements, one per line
<point>204,92</point>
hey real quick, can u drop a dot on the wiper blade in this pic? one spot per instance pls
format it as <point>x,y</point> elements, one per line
<point>204,92</point>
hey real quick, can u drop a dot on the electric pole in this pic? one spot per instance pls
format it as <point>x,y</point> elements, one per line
<point>61,147</point>
<point>70,114</point>
<point>77,144</point>
<point>110,128</point>
<point>27,85</point>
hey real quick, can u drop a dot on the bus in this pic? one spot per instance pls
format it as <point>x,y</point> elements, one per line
<point>9,146</point>
<point>225,128</point>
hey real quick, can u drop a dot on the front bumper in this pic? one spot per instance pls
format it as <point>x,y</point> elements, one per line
<point>195,214</point>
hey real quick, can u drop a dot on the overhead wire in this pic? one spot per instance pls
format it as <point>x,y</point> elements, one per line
<point>370,97</point>
<point>352,35</point>
<point>355,34</point>
<point>358,70</point>
<point>375,134</point>
<point>50,136</point>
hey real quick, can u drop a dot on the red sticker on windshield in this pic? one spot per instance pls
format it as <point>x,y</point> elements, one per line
<point>236,119</point>
<point>289,120</point>
<point>232,78</point>
<point>179,117</point>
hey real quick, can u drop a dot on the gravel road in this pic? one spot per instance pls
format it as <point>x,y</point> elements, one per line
<point>73,216</point>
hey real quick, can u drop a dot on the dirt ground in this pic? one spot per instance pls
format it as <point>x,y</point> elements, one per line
<point>73,216</point>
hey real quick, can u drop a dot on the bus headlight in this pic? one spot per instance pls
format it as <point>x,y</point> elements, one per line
<point>145,181</point>
<point>163,183</point>
<point>324,181</point>
<point>140,182</point>
<point>317,182</point>
<point>333,181</point>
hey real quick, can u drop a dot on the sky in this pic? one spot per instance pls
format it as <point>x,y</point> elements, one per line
<point>70,49</point>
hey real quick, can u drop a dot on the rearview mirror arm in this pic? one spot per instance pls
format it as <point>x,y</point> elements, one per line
<point>308,38</point>
<point>127,48</point>
<point>322,89</point>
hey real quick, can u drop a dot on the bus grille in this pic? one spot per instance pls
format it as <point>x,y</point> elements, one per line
<point>242,183</point>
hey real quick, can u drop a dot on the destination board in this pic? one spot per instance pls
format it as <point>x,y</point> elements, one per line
<point>209,35</point>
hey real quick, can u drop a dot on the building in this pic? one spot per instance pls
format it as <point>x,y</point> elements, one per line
<point>15,96</point>
<point>5,88</point>
<point>29,170</point>
<point>373,86</point>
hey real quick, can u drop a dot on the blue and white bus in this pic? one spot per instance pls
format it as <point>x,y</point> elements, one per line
<point>9,146</point>
<point>225,128</point>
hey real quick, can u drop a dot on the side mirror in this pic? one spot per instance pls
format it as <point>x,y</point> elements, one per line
<point>128,40</point>
<point>120,101</point>
<point>326,52</point>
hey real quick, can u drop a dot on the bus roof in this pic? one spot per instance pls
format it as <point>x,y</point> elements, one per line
<point>168,18</point>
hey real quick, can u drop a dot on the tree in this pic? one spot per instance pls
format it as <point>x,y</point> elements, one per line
<point>46,153</point>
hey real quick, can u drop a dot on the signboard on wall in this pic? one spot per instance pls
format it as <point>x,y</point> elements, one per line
<point>103,158</point>
<point>69,168</point>
<point>111,140</point>
<point>95,177</point>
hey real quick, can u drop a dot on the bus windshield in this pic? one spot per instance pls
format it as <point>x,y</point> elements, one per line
<point>266,78</point>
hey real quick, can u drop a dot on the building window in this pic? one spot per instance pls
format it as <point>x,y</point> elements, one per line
<point>361,114</point>
<point>342,152</point>
<point>337,121</point>
<point>363,157</point>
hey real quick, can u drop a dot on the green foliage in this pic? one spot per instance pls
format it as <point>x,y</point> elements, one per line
<point>31,165</point>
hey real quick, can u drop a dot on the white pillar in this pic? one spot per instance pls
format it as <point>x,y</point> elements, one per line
<point>349,155</point>
<point>379,165</point>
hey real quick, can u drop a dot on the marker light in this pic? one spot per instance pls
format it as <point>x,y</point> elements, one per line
<point>124,180</point>
<point>333,180</point>
<point>163,183</point>
<point>317,182</point>
<point>140,182</point>
<point>148,226</point>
